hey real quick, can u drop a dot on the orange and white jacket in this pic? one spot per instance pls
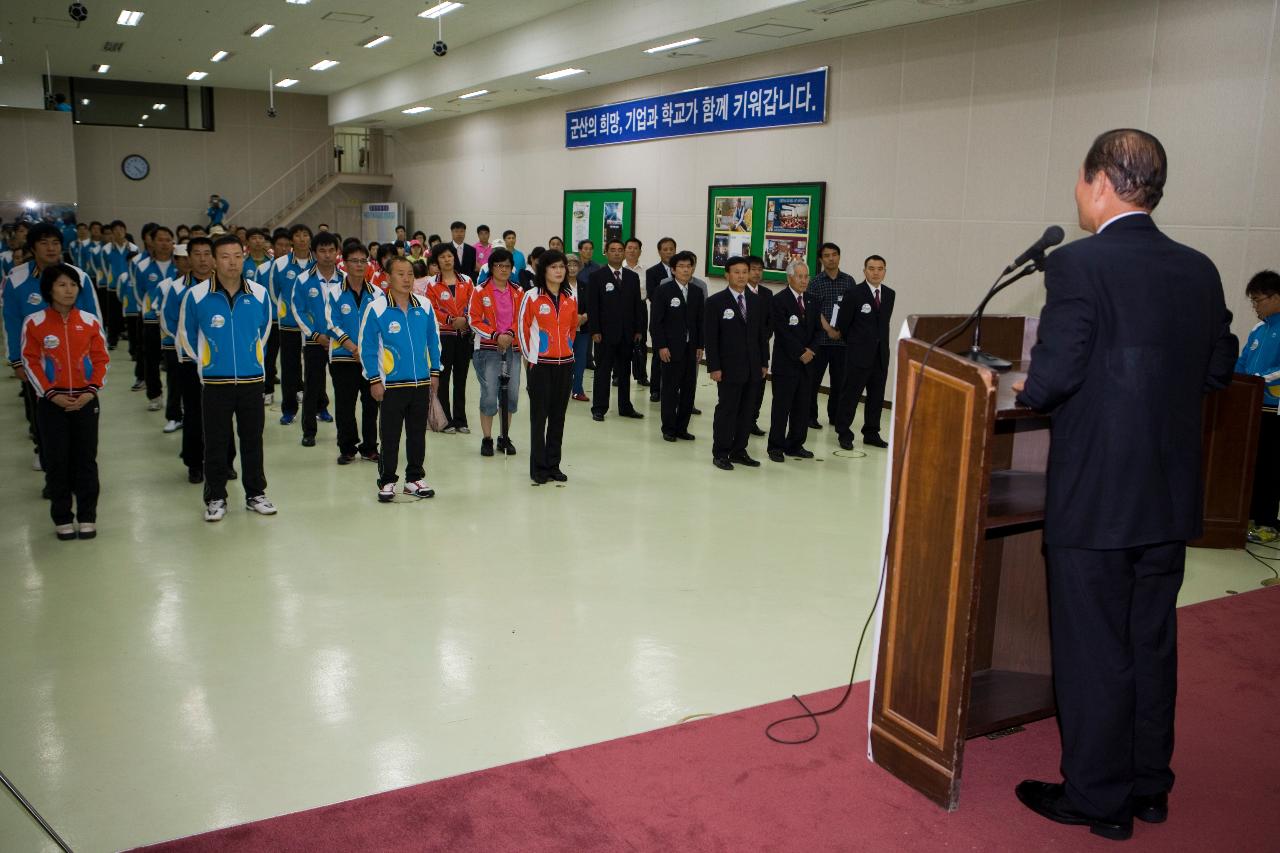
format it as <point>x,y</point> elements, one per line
<point>483,315</point>
<point>546,329</point>
<point>64,355</point>
<point>449,305</point>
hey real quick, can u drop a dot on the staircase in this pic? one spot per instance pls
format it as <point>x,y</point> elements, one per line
<point>347,157</point>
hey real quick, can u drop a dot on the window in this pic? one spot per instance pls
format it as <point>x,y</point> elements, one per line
<point>125,103</point>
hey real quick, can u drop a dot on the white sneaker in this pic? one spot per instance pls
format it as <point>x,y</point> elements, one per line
<point>215,510</point>
<point>35,462</point>
<point>386,493</point>
<point>268,399</point>
<point>155,405</point>
<point>260,505</point>
<point>419,489</point>
<point>172,426</point>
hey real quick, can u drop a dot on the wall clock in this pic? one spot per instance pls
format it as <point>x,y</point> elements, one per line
<point>135,167</point>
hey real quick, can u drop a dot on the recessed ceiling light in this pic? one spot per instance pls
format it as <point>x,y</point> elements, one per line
<point>297,2</point>
<point>197,75</point>
<point>102,69</point>
<point>563,72</point>
<point>84,102</point>
<point>260,30</point>
<point>477,93</point>
<point>219,56</point>
<point>324,65</point>
<point>413,111</point>
<point>682,43</point>
<point>157,106</point>
<point>128,18</point>
<point>376,40</point>
<point>440,9</point>
<point>146,116</point>
<point>286,83</point>
<point>139,124</point>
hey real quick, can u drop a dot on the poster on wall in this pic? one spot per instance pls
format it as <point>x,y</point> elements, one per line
<point>598,216</point>
<point>780,223</point>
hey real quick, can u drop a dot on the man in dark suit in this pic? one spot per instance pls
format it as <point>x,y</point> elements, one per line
<point>465,251</point>
<point>795,322</point>
<point>654,276</point>
<point>616,319</point>
<point>737,349</point>
<point>1133,332</point>
<point>755,284</point>
<point>863,322</point>
<point>676,326</point>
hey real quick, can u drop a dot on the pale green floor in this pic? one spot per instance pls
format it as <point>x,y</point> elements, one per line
<point>176,676</point>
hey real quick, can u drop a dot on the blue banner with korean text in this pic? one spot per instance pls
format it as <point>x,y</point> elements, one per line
<point>783,101</point>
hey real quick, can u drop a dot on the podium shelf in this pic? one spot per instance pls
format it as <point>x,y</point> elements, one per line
<point>999,699</point>
<point>1016,499</point>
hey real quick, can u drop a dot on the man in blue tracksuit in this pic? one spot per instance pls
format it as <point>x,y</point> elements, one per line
<point>218,207</point>
<point>223,326</point>
<point>148,273</point>
<point>345,309</point>
<point>310,296</point>
<point>285,271</point>
<point>400,350</point>
<point>1260,356</point>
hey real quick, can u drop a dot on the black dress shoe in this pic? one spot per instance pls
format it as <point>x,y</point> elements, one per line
<point>195,475</point>
<point>486,447</point>
<point>875,441</point>
<point>685,436</point>
<point>597,416</point>
<point>666,436</point>
<point>846,444</point>
<point>813,424</point>
<point>1050,800</point>
<point>776,456</point>
<point>800,453</point>
<point>654,398</point>
<point>1151,808</point>
<point>558,475</point>
<point>633,414</point>
<point>643,383</point>
<point>756,431</point>
<point>308,441</point>
<point>232,475</point>
<point>346,458</point>
<point>722,463</point>
<point>744,459</point>
<point>539,479</point>
<point>696,411</point>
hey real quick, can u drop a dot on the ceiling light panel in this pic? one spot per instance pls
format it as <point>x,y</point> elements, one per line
<point>413,111</point>
<point>286,83</point>
<point>673,45</point>
<point>324,65</point>
<point>129,18</point>
<point>219,56</point>
<point>102,69</point>
<point>477,93</point>
<point>259,30</point>
<point>563,72</point>
<point>376,40</point>
<point>440,9</point>
<point>197,75</point>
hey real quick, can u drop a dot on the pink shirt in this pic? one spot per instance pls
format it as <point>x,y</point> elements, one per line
<point>482,254</point>
<point>506,311</point>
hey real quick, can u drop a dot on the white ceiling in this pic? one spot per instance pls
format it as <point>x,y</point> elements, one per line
<point>494,44</point>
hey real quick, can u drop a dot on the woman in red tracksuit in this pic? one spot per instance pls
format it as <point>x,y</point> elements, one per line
<point>450,294</point>
<point>65,358</point>
<point>548,322</point>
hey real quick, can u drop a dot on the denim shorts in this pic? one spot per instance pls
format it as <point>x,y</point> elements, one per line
<point>488,365</point>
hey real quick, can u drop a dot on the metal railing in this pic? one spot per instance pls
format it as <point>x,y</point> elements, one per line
<point>357,152</point>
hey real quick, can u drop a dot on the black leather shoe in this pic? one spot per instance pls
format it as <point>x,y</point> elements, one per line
<point>666,436</point>
<point>744,459</point>
<point>875,441</point>
<point>685,436</point>
<point>802,453</point>
<point>632,414</point>
<point>813,424</point>
<point>486,447</point>
<point>308,441</point>
<point>1050,800</point>
<point>195,475</point>
<point>539,479</point>
<point>558,475</point>
<point>596,416</point>
<point>722,463</point>
<point>232,475</point>
<point>346,458</point>
<point>654,398</point>
<point>643,383</point>
<point>776,456</point>
<point>507,447</point>
<point>756,431</point>
<point>696,411</point>
<point>846,444</point>
<point>1151,808</point>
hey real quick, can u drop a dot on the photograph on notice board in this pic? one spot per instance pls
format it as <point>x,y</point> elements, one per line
<point>780,251</point>
<point>720,249</point>
<point>733,213</point>
<point>612,221</point>
<point>786,214</point>
<point>581,221</point>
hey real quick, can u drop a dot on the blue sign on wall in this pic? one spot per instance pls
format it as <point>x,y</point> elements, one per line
<point>750,105</point>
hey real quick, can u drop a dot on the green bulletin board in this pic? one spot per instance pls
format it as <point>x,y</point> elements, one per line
<point>775,221</point>
<point>585,217</point>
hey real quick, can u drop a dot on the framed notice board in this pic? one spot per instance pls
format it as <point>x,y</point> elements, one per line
<point>778,222</point>
<point>598,215</point>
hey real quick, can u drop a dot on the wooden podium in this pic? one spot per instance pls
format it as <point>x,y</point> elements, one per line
<point>963,643</point>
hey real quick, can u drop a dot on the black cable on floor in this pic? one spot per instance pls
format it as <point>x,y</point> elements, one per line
<point>31,810</point>
<point>1264,560</point>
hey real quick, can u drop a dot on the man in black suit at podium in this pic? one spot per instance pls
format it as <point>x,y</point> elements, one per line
<point>616,319</point>
<point>736,343</point>
<point>1133,332</point>
<point>863,321</point>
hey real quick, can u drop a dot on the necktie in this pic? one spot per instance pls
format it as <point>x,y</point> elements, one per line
<point>875,297</point>
<point>617,276</point>
<point>800,303</point>
<point>742,305</point>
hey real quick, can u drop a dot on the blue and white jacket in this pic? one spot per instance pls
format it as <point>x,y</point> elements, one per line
<point>169,295</point>
<point>310,296</point>
<point>343,314</point>
<point>145,279</point>
<point>20,297</point>
<point>258,272</point>
<point>225,337</point>
<point>285,272</point>
<point>115,264</point>
<point>1260,356</point>
<point>400,349</point>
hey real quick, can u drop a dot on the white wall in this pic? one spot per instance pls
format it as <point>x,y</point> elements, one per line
<point>949,145</point>
<point>243,154</point>
<point>38,161</point>
<point>21,88</point>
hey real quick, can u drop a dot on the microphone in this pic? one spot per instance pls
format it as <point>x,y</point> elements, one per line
<point>1052,236</point>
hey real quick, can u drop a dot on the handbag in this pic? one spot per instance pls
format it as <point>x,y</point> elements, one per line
<point>435,414</point>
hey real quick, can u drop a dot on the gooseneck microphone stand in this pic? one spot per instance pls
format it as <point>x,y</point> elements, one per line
<point>975,352</point>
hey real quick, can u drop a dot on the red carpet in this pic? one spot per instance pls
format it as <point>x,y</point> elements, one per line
<point>719,785</point>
